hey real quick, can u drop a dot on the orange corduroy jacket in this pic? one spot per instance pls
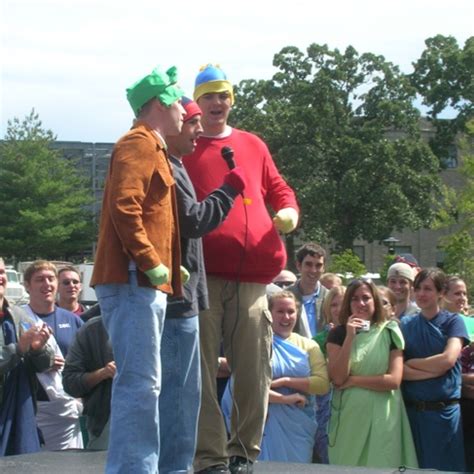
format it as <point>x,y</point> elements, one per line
<point>139,218</point>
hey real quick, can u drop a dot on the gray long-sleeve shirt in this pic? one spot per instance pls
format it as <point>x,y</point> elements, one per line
<point>195,220</point>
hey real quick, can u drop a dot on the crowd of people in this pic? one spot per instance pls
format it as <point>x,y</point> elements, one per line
<point>192,290</point>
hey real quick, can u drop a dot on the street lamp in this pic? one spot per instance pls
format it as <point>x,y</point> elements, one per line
<point>390,243</point>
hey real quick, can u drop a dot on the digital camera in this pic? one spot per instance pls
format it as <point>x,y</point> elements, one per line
<point>365,326</point>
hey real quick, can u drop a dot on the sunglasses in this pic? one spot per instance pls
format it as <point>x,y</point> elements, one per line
<point>283,284</point>
<point>68,282</point>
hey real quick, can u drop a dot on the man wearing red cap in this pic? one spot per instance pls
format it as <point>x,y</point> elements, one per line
<point>137,265</point>
<point>242,256</point>
<point>181,392</point>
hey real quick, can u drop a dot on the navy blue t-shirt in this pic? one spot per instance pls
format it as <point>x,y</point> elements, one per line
<point>425,338</point>
<point>64,325</point>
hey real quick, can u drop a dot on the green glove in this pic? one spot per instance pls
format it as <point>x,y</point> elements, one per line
<point>158,275</point>
<point>184,275</point>
<point>286,220</point>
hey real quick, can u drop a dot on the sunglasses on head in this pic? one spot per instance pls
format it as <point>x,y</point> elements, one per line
<point>360,280</point>
<point>283,284</point>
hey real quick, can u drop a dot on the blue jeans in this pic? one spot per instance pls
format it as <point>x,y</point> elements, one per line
<point>133,317</point>
<point>180,397</point>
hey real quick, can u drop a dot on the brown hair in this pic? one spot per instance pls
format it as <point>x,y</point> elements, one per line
<point>330,278</point>
<point>453,279</point>
<point>386,292</point>
<point>68,268</point>
<point>279,295</point>
<point>437,275</point>
<point>36,266</point>
<point>326,308</point>
<point>354,285</point>
<point>312,249</point>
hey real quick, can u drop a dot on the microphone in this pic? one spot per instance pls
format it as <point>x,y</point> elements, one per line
<point>228,155</point>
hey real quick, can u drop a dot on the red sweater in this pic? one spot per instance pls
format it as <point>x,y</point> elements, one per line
<point>265,255</point>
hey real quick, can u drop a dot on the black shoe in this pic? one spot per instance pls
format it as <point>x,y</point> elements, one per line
<point>215,469</point>
<point>240,465</point>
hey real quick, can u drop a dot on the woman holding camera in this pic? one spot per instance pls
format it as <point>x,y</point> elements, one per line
<point>432,375</point>
<point>368,425</point>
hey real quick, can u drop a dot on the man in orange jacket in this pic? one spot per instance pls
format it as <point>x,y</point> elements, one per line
<point>137,265</point>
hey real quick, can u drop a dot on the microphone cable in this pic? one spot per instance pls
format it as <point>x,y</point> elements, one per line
<point>228,155</point>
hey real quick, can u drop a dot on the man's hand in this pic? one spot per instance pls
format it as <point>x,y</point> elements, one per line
<point>34,339</point>
<point>58,363</point>
<point>236,179</point>
<point>286,220</point>
<point>108,371</point>
<point>40,337</point>
<point>158,275</point>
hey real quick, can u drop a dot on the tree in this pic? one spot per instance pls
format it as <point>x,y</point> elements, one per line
<point>347,262</point>
<point>458,213</point>
<point>44,208</point>
<point>343,131</point>
<point>444,77</point>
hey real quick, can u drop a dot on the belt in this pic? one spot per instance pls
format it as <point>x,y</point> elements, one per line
<point>422,405</point>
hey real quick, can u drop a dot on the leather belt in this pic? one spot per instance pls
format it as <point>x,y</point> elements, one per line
<point>422,405</point>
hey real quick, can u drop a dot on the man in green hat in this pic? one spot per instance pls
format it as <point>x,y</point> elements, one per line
<point>137,265</point>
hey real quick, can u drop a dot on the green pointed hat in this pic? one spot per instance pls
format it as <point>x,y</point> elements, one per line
<point>159,85</point>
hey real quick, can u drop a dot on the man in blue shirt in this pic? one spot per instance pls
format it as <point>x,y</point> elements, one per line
<point>310,263</point>
<point>58,413</point>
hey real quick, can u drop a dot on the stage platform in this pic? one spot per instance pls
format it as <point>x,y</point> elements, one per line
<point>91,462</point>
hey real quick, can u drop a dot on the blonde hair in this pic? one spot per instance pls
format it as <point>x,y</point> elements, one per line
<point>280,295</point>
<point>38,265</point>
<point>326,308</point>
<point>333,278</point>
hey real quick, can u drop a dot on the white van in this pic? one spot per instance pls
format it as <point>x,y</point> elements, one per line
<point>15,291</point>
<point>88,296</point>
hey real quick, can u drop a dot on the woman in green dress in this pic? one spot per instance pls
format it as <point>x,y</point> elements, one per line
<point>368,425</point>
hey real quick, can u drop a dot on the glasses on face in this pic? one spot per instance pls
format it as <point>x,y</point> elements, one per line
<point>68,282</point>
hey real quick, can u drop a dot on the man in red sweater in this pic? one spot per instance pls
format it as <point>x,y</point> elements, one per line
<point>242,256</point>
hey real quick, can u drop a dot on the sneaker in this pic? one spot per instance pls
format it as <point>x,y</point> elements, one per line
<point>215,469</point>
<point>240,465</point>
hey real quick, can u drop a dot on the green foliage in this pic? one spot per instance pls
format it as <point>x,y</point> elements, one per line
<point>347,262</point>
<point>459,260</point>
<point>44,211</point>
<point>387,263</point>
<point>444,78</point>
<point>329,118</point>
<point>458,213</point>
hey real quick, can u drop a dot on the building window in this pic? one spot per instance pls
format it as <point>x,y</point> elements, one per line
<point>451,160</point>
<point>440,257</point>
<point>399,249</point>
<point>359,250</point>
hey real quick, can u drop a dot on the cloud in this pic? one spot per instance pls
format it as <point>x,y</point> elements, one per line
<point>80,55</point>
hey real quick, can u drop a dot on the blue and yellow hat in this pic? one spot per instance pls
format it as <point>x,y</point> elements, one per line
<point>212,79</point>
<point>159,85</point>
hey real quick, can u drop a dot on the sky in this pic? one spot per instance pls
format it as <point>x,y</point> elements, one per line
<point>71,60</point>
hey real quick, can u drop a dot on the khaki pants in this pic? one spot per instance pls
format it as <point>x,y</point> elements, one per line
<point>247,338</point>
